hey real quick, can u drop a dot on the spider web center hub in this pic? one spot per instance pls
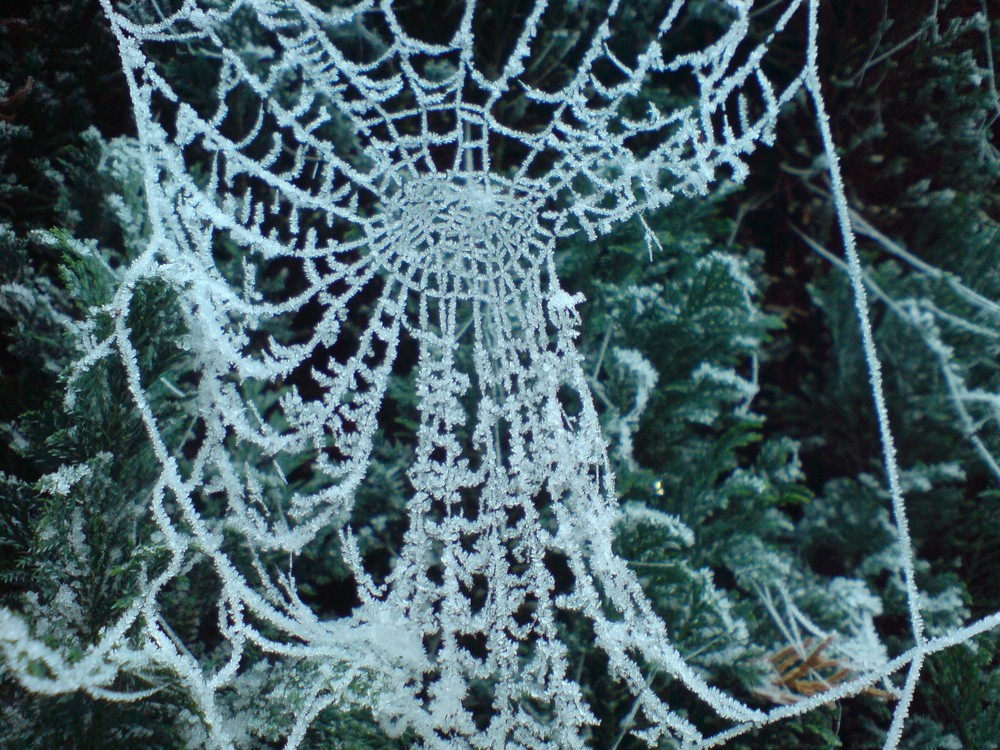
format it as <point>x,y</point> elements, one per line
<point>471,235</point>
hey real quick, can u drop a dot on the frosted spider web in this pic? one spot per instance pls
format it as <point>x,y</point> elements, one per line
<point>460,256</point>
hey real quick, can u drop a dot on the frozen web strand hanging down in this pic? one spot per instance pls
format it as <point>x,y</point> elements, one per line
<point>416,225</point>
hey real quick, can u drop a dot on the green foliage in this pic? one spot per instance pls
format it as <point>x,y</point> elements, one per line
<point>917,112</point>
<point>961,689</point>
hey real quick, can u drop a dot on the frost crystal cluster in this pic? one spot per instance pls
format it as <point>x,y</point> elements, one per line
<point>364,161</point>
